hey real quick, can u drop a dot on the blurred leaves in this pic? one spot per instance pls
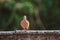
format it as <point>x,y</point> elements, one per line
<point>12,11</point>
<point>28,7</point>
<point>9,5</point>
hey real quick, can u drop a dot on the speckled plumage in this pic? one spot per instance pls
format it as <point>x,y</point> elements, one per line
<point>25,23</point>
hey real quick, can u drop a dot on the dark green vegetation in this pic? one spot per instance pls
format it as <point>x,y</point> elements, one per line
<point>42,14</point>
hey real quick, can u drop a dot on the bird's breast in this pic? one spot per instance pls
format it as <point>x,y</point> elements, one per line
<point>25,23</point>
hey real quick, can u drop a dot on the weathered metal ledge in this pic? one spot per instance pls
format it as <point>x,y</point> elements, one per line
<point>30,32</point>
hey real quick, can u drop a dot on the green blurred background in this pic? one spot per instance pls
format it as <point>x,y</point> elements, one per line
<point>42,14</point>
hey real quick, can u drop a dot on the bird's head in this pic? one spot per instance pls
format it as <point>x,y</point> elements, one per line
<point>24,17</point>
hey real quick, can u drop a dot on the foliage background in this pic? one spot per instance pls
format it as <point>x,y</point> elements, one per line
<point>42,14</point>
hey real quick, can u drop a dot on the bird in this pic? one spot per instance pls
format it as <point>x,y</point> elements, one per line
<point>25,23</point>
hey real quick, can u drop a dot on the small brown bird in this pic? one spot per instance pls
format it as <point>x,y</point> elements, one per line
<point>25,23</point>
